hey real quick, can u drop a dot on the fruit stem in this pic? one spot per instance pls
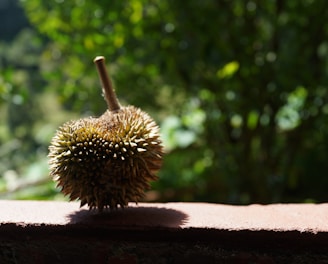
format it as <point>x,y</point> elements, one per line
<point>110,95</point>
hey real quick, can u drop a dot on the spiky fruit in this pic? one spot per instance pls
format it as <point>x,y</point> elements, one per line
<point>107,161</point>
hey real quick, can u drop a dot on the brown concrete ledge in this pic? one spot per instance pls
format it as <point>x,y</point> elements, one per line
<point>61,232</point>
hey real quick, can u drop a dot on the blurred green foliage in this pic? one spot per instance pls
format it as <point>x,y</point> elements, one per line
<point>239,89</point>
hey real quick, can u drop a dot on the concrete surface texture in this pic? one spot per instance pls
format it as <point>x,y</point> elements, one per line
<point>62,232</point>
<point>275,217</point>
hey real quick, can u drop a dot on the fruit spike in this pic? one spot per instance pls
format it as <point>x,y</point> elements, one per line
<point>107,161</point>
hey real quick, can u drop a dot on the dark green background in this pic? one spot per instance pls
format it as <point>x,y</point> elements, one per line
<point>239,89</point>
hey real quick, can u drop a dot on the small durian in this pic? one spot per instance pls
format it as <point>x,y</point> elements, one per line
<point>108,161</point>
